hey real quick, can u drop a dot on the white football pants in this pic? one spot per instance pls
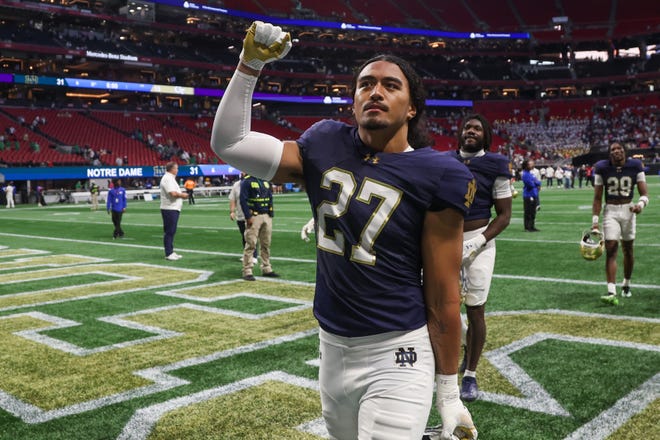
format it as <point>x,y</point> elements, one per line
<point>377,387</point>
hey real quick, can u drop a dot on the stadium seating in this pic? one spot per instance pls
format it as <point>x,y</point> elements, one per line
<point>535,14</point>
<point>491,13</point>
<point>474,69</point>
<point>25,155</point>
<point>455,15</point>
<point>380,12</point>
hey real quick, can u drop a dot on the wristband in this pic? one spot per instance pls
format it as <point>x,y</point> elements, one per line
<point>480,241</point>
<point>594,220</point>
<point>643,202</point>
<point>447,386</point>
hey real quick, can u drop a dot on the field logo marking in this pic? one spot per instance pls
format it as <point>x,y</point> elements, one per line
<point>59,323</point>
<point>136,276</point>
<point>607,422</point>
<point>143,421</point>
<point>7,252</point>
<point>36,260</point>
<point>296,304</point>
<point>159,376</point>
<point>205,301</point>
<point>536,397</point>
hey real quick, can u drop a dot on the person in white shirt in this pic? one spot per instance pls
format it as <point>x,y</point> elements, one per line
<point>9,191</point>
<point>171,200</point>
<point>549,175</point>
<point>559,176</point>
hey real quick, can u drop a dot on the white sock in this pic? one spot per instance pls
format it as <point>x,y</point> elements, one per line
<point>611,288</point>
<point>626,282</point>
<point>470,373</point>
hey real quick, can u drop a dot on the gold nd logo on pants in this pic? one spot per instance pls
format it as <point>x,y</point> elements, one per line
<point>262,230</point>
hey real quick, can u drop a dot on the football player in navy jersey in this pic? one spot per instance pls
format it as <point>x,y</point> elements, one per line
<point>616,179</point>
<point>493,174</point>
<point>385,206</point>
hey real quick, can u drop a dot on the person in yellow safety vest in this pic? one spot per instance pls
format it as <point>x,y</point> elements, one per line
<point>190,189</point>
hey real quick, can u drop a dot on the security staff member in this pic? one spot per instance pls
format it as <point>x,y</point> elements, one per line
<point>257,205</point>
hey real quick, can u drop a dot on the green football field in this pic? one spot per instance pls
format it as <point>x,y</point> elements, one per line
<point>105,339</point>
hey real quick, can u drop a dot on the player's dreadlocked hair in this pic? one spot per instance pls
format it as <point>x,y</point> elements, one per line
<point>488,131</point>
<point>418,136</point>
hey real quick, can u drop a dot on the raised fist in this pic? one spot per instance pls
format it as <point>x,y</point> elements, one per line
<point>264,43</point>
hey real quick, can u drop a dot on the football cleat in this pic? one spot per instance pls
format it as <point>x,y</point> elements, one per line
<point>592,244</point>
<point>625,292</point>
<point>610,299</point>
<point>469,389</point>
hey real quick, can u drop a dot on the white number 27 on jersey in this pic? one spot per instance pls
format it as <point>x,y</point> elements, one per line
<point>389,198</point>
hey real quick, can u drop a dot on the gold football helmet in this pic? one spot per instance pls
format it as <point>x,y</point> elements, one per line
<point>592,244</point>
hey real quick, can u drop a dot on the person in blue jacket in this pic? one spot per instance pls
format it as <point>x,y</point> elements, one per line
<point>531,188</point>
<point>116,205</point>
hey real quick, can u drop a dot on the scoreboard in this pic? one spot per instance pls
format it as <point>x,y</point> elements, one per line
<point>100,84</point>
<point>38,80</point>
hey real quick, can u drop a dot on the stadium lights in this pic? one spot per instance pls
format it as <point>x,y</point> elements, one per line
<point>560,20</point>
<point>87,95</point>
<point>139,10</point>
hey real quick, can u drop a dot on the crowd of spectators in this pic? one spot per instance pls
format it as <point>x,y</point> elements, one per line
<point>632,127</point>
<point>557,137</point>
<point>304,72</point>
<point>309,70</point>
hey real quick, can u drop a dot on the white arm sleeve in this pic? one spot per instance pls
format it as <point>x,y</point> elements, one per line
<point>254,153</point>
<point>502,188</point>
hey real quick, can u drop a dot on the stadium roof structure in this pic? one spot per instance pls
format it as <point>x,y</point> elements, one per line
<point>546,21</point>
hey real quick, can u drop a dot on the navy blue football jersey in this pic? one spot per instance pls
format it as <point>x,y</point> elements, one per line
<point>619,182</point>
<point>369,208</point>
<point>485,169</point>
